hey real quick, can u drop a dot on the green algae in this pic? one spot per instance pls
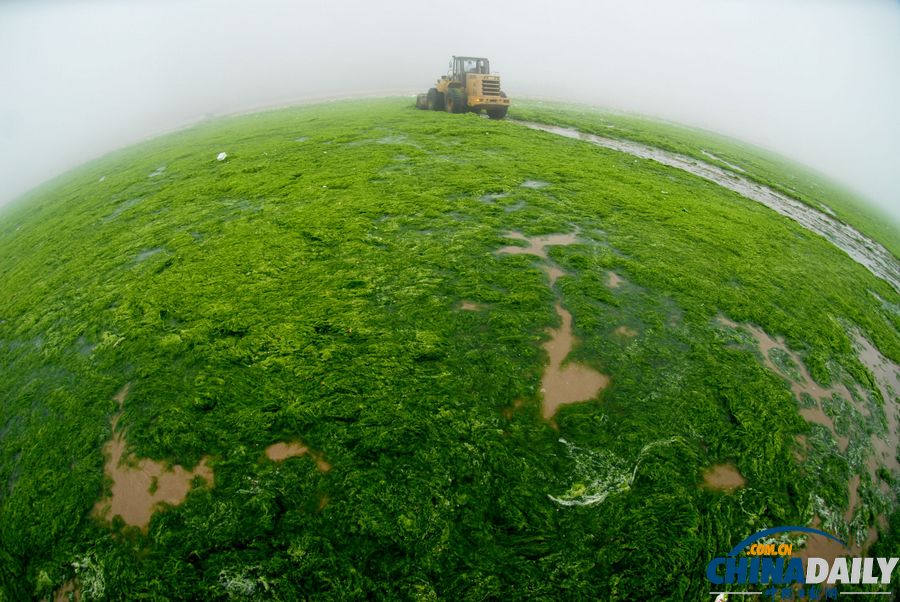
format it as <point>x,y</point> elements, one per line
<point>308,290</point>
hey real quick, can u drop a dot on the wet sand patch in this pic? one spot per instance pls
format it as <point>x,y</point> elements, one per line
<point>69,587</point>
<point>470,306</point>
<point>626,332</point>
<point>800,453</point>
<point>725,477</point>
<point>510,410</point>
<point>140,484</point>
<point>615,281</point>
<point>570,383</point>
<point>278,452</point>
<point>725,321</point>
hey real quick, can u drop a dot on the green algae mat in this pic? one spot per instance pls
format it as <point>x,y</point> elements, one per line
<point>314,369</point>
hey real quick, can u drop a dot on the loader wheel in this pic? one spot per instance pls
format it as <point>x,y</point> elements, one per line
<point>456,101</point>
<point>498,113</point>
<point>435,100</point>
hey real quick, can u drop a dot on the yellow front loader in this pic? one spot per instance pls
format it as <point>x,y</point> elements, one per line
<point>470,86</point>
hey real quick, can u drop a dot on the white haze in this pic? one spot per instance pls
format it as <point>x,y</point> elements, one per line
<point>818,81</point>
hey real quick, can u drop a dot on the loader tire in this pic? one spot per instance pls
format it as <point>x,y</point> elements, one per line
<point>500,112</point>
<point>435,100</point>
<point>456,101</point>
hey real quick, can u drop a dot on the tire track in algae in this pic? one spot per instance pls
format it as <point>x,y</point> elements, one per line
<point>859,247</point>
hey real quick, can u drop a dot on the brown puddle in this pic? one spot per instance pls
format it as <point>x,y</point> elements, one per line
<point>553,273</point>
<point>282,451</point>
<point>805,384</point>
<point>818,546</point>
<point>536,244</point>
<point>860,248</point>
<point>725,477</point>
<point>140,484</point>
<point>561,384</point>
<point>570,383</point>
<point>887,377</point>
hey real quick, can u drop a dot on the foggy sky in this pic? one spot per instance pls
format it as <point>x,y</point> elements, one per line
<point>816,80</point>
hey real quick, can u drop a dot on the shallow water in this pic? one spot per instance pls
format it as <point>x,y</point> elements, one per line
<point>490,197</point>
<point>561,383</point>
<point>887,377</point>
<point>860,248</point>
<point>147,253</point>
<point>537,244</point>
<point>534,184</point>
<point>515,207</point>
<point>569,383</point>
<point>133,478</point>
<point>553,272</point>
<point>615,281</point>
<point>805,384</point>
<point>723,161</point>
<point>818,546</point>
<point>290,449</point>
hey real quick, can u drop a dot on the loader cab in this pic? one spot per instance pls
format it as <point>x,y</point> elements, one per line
<point>462,65</point>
